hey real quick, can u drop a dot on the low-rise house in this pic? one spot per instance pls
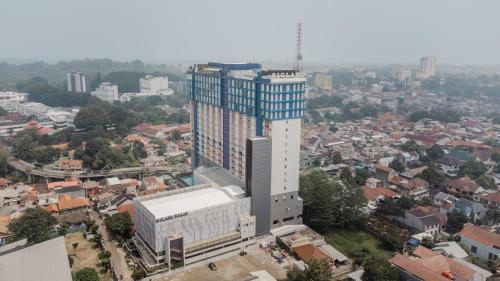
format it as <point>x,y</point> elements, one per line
<point>72,188</point>
<point>490,200</point>
<point>376,195</point>
<point>385,174</point>
<point>444,197</point>
<point>450,165</point>
<point>482,243</point>
<point>113,206</point>
<point>153,161</point>
<point>426,265</point>
<point>68,204</point>
<point>408,158</point>
<point>470,209</point>
<point>415,188</point>
<point>70,165</point>
<point>426,219</point>
<point>463,187</point>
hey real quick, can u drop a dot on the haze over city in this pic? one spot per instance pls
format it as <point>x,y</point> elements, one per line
<point>336,32</point>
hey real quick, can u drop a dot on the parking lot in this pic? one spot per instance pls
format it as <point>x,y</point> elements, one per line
<point>233,268</point>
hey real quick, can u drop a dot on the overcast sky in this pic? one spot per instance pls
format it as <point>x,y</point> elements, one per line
<point>337,32</point>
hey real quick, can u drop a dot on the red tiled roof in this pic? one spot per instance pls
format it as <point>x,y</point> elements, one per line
<point>464,183</point>
<point>416,183</point>
<point>492,197</point>
<point>63,183</point>
<point>373,193</point>
<point>66,202</point>
<point>480,235</point>
<point>309,252</point>
<point>416,269</point>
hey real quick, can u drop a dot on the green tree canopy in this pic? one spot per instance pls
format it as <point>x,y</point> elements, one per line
<point>455,222</point>
<point>377,269</point>
<point>435,178</point>
<point>119,225</point>
<point>86,274</point>
<point>473,169</point>
<point>435,152</point>
<point>22,147</point>
<point>331,203</point>
<point>34,225</point>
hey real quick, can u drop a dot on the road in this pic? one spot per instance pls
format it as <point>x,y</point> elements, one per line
<point>117,254</point>
<point>27,168</point>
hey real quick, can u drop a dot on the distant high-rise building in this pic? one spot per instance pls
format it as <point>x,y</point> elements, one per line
<point>323,80</point>
<point>157,86</point>
<point>403,74</point>
<point>427,68</point>
<point>248,121</point>
<point>106,92</point>
<point>77,82</point>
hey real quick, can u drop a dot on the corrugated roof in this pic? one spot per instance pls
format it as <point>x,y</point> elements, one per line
<point>46,261</point>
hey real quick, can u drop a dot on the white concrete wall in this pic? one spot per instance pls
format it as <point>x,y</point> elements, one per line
<point>482,250</point>
<point>285,135</point>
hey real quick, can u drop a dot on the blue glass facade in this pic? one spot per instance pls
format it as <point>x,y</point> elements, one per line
<point>257,95</point>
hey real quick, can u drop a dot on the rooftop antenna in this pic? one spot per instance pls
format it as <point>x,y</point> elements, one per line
<point>298,57</point>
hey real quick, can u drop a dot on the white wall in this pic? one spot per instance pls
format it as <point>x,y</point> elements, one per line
<point>285,135</point>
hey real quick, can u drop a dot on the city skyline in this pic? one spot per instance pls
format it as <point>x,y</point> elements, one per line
<point>360,33</point>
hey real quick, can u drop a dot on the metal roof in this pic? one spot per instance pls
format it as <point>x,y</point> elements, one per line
<point>46,261</point>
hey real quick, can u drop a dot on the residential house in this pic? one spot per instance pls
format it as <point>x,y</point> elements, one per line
<point>68,204</point>
<point>386,174</point>
<point>154,161</point>
<point>408,158</point>
<point>463,187</point>
<point>114,204</point>
<point>470,209</point>
<point>450,165</point>
<point>415,188</point>
<point>426,219</point>
<point>70,165</point>
<point>426,265</point>
<point>375,195</point>
<point>490,200</point>
<point>72,188</point>
<point>482,243</point>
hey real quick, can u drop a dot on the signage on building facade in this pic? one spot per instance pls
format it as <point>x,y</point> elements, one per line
<point>167,218</point>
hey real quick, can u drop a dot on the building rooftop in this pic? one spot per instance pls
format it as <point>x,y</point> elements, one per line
<point>481,235</point>
<point>43,262</point>
<point>186,202</point>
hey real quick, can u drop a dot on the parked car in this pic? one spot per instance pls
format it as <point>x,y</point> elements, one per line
<point>212,266</point>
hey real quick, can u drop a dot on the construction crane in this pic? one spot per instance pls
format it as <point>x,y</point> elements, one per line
<point>298,55</point>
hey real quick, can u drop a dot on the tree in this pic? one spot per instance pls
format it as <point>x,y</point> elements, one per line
<point>119,225</point>
<point>316,270</point>
<point>86,274</point>
<point>336,157</point>
<point>138,273</point>
<point>34,225</point>
<point>396,165</point>
<point>331,203</point>
<point>427,242</point>
<point>435,152</point>
<point>22,147</point>
<point>455,222</point>
<point>473,169</point>
<point>139,150</point>
<point>175,135</point>
<point>435,178</point>
<point>4,158</point>
<point>63,229</point>
<point>487,182</point>
<point>377,269</point>
<point>90,117</point>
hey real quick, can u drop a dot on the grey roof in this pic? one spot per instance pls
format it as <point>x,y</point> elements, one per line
<point>46,261</point>
<point>222,177</point>
<point>14,246</point>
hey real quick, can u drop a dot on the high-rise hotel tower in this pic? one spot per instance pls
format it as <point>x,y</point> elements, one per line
<point>248,121</point>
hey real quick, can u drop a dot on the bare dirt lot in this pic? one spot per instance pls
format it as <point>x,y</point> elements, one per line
<point>233,268</point>
<point>83,255</point>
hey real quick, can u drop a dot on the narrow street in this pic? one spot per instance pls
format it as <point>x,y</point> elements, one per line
<point>117,254</point>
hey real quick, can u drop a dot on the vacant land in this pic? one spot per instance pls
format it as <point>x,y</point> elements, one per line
<point>355,242</point>
<point>233,268</point>
<point>83,255</point>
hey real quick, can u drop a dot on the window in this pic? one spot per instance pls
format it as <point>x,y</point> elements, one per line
<point>287,219</point>
<point>276,221</point>
<point>291,196</point>
<point>492,256</point>
<point>473,249</point>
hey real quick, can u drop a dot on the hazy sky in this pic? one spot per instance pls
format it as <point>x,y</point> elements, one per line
<point>370,31</point>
